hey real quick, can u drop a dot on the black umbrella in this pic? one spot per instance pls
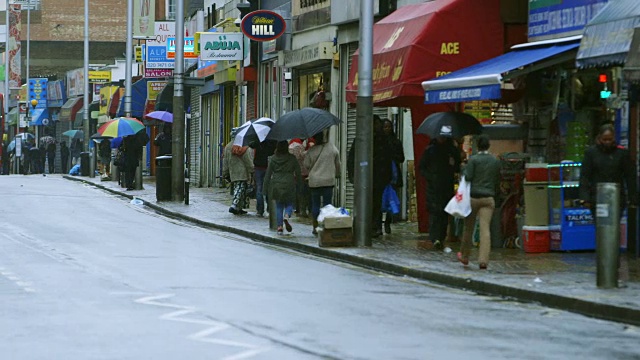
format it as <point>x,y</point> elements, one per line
<point>303,123</point>
<point>449,124</point>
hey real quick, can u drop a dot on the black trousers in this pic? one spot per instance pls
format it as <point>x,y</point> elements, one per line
<point>64,164</point>
<point>376,208</point>
<point>437,198</point>
<point>52,161</point>
<point>129,176</point>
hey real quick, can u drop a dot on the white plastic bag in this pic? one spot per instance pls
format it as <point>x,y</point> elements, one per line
<point>331,211</point>
<point>460,204</point>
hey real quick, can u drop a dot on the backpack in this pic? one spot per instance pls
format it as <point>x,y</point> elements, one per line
<point>119,158</point>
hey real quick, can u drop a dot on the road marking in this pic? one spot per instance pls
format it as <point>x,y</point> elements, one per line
<point>11,276</point>
<point>181,314</point>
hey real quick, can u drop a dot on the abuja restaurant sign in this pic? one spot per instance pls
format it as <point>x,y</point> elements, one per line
<point>263,25</point>
<point>220,46</point>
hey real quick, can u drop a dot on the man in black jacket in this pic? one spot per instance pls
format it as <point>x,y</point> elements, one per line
<point>607,162</point>
<point>260,162</point>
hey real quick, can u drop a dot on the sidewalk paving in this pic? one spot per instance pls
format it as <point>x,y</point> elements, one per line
<point>560,280</point>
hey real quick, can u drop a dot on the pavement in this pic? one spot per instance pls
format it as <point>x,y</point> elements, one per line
<point>559,280</point>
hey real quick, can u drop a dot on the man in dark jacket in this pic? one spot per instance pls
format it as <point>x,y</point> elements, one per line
<point>64,157</point>
<point>163,141</point>
<point>439,164</point>
<point>260,162</point>
<point>132,153</point>
<point>51,156</point>
<point>607,162</point>
<point>382,172</point>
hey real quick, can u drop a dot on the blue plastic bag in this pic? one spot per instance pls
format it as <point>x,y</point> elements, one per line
<point>75,170</point>
<point>390,200</point>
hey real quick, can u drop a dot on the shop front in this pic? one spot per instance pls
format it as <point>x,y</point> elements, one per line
<point>610,52</point>
<point>418,42</point>
<point>211,157</point>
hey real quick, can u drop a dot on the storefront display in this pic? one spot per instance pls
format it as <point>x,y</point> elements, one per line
<point>572,227</point>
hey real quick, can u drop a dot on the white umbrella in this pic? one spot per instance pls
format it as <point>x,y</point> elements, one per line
<point>252,131</point>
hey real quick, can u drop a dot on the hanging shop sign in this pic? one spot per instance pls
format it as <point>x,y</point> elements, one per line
<point>188,49</point>
<point>319,52</point>
<point>263,25</point>
<point>99,77</point>
<point>551,19</point>
<point>221,46</point>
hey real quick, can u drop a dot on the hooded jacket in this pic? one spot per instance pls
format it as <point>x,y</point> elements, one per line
<point>237,162</point>
<point>601,165</point>
<point>282,178</point>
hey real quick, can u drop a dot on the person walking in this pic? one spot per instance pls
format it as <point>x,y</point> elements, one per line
<point>397,157</point>
<point>483,175</point>
<point>283,174</point>
<point>76,149</point>
<point>104,152</point>
<point>439,164</point>
<point>323,162</point>
<point>163,140</point>
<point>132,153</point>
<point>303,200</point>
<point>237,167</point>
<point>51,156</point>
<point>64,157</point>
<point>35,159</point>
<point>263,151</point>
<point>6,158</point>
<point>606,162</point>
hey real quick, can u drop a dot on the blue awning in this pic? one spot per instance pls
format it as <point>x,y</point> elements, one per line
<point>138,99</point>
<point>39,117</point>
<point>484,80</point>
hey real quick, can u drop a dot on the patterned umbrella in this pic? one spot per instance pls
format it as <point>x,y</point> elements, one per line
<point>121,127</point>
<point>47,140</point>
<point>251,131</point>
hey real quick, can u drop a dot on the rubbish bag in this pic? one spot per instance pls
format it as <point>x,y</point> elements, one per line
<point>332,211</point>
<point>390,200</point>
<point>75,170</point>
<point>460,204</point>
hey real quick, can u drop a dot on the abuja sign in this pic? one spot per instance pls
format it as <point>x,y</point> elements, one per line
<point>263,25</point>
<point>221,46</point>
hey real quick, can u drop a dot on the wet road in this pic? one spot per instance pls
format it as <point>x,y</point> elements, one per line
<point>86,275</point>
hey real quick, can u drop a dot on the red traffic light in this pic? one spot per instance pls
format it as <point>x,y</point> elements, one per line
<point>602,78</point>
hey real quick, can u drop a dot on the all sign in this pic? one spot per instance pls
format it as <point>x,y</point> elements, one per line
<point>263,25</point>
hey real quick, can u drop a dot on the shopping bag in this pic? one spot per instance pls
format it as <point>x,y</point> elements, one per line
<point>390,200</point>
<point>460,204</point>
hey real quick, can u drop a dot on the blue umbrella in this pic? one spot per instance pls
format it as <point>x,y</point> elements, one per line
<point>116,142</point>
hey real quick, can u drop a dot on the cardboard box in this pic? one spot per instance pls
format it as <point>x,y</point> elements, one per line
<point>338,222</point>
<point>336,237</point>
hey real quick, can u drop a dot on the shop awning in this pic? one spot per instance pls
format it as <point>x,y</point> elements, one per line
<point>138,99</point>
<point>607,37</point>
<point>164,100</point>
<point>484,81</point>
<point>426,40</point>
<point>12,117</point>
<point>70,108</point>
<point>39,117</point>
<point>115,102</point>
<point>631,68</point>
<point>94,108</point>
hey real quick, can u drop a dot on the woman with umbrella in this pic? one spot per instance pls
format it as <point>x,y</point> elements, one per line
<point>237,167</point>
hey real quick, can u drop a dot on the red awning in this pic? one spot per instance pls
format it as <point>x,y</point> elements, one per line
<point>115,102</point>
<point>423,41</point>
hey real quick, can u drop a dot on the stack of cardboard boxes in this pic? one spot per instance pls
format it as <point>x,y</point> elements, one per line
<point>337,231</point>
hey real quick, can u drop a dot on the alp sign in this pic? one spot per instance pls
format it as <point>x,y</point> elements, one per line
<point>263,25</point>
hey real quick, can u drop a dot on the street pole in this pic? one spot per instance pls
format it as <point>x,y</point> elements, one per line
<point>127,83</point>
<point>364,137</point>
<point>177,149</point>
<point>607,234</point>
<point>85,117</point>
<point>7,92</point>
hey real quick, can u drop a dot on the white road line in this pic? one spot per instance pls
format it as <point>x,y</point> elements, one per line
<point>213,327</point>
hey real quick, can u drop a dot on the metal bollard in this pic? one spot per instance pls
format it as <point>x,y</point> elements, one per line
<point>273,220</point>
<point>607,234</point>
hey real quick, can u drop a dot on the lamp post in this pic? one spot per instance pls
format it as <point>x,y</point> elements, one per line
<point>27,62</point>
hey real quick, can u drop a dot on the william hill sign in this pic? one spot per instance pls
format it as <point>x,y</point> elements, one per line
<point>263,25</point>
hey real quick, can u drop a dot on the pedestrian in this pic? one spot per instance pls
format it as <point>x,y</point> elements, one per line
<point>6,158</point>
<point>397,157</point>
<point>163,141</point>
<point>104,153</point>
<point>483,175</point>
<point>263,150</point>
<point>35,159</point>
<point>51,156</point>
<point>64,157</point>
<point>283,175</point>
<point>606,162</point>
<point>43,157</point>
<point>132,153</point>
<point>75,149</point>
<point>237,167</point>
<point>303,200</point>
<point>439,164</point>
<point>323,162</point>
<point>382,172</point>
